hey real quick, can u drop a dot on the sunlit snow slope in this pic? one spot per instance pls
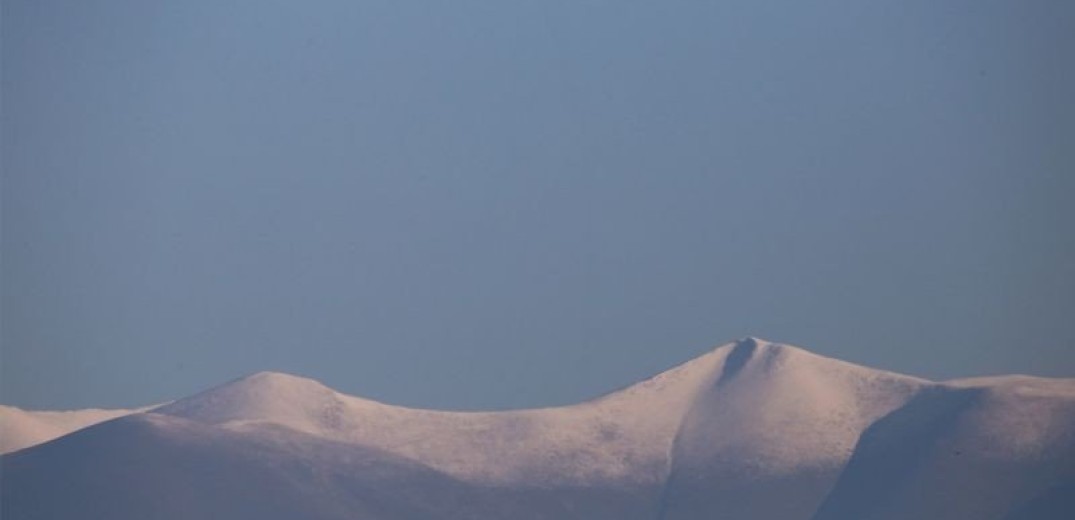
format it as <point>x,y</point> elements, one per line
<point>21,428</point>
<point>750,430</point>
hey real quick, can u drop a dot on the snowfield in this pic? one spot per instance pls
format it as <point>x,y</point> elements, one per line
<point>22,428</point>
<point>751,429</point>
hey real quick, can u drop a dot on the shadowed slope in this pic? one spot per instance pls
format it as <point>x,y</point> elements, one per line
<point>154,466</point>
<point>966,449</point>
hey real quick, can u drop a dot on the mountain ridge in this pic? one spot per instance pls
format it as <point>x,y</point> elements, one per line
<point>750,429</point>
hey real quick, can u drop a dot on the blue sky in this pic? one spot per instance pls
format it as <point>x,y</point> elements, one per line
<point>500,204</point>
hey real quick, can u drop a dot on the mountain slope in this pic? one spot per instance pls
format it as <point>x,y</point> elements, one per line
<point>768,435</point>
<point>162,467</point>
<point>621,436</point>
<point>155,466</point>
<point>22,428</point>
<point>748,430</point>
<point>981,448</point>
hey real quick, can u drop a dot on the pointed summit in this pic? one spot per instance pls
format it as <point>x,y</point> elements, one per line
<point>755,343</point>
<point>750,340</point>
<point>740,353</point>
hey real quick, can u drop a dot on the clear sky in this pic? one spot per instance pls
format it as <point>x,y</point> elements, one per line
<point>498,204</point>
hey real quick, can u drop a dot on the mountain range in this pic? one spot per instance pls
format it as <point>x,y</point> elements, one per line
<point>749,430</point>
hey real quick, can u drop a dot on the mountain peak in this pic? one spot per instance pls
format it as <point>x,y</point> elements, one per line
<point>269,377</point>
<point>755,343</point>
<point>756,351</point>
<point>750,340</point>
<point>288,400</point>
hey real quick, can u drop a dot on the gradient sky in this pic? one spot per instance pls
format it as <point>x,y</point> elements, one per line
<point>501,204</point>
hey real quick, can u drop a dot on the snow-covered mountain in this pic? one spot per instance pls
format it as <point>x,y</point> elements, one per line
<point>24,428</point>
<point>749,430</point>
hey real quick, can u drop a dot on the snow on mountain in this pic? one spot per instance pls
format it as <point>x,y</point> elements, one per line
<point>966,449</point>
<point>769,433</point>
<point>623,435</point>
<point>22,428</point>
<point>156,466</point>
<point>748,430</point>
